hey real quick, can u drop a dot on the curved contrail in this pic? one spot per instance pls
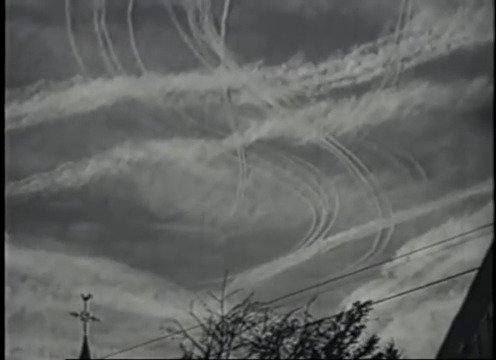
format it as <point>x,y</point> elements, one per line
<point>383,200</point>
<point>336,202</point>
<point>368,181</point>
<point>194,10</point>
<point>413,162</point>
<point>288,180</point>
<point>387,153</point>
<point>132,39</point>
<point>108,39</point>
<point>408,160</point>
<point>70,34</point>
<point>398,57</point>
<point>223,22</point>
<point>185,37</point>
<point>396,41</point>
<point>316,229</point>
<point>328,217</point>
<point>97,4</point>
<point>417,55</point>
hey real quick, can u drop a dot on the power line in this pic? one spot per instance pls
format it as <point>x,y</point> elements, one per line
<point>377,264</point>
<point>443,249</point>
<point>375,302</point>
<point>424,286</point>
<point>339,277</point>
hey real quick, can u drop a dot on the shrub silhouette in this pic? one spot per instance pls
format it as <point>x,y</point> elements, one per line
<point>251,329</point>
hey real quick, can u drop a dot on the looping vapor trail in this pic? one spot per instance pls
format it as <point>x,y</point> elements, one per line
<point>371,185</point>
<point>132,38</point>
<point>108,39</point>
<point>97,8</point>
<point>70,34</point>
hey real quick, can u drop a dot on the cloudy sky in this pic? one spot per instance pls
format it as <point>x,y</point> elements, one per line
<point>147,151</point>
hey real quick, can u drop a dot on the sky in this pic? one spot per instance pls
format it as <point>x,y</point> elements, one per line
<point>147,153</point>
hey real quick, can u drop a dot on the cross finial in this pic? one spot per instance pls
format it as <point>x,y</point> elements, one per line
<point>85,316</point>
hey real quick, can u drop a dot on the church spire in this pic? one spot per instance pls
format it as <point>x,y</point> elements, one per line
<point>85,316</point>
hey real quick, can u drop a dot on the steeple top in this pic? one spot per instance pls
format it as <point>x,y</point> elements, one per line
<point>85,316</point>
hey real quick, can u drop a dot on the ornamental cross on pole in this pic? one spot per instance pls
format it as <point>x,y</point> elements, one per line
<point>85,316</point>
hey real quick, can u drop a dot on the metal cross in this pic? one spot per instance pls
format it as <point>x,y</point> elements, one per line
<point>85,316</point>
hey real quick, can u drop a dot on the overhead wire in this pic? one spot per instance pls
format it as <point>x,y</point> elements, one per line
<point>377,264</point>
<point>343,276</point>
<point>374,302</point>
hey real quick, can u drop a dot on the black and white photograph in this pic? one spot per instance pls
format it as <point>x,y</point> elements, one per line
<point>260,179</point>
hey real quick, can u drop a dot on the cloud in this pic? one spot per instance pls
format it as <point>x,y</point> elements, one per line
<point>43,286</point>
<point>302,126</point>
<point>421,320</point>
<point>279,265</point>
<point>176,190</point>
<point>361,64</point>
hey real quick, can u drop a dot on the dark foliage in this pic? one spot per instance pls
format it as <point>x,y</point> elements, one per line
<point>253,330</point>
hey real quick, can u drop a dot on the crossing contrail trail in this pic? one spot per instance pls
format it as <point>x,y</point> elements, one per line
<point>70,35</point>
<point>225,15</point>
<point>371,186</point>
<point>132,38</point>
<point>398,44</point>
<point>289,179</point>
<point>404,160</point>
<point>397,34</point>
<point>430,46</point>
<point>327,217</point>
<point>196,11</point>
<point>185,36</point>
<point>280,264</point>
<point>97,6</point>
<point>108,39</point>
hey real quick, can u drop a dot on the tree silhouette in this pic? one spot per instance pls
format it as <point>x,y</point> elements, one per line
<point>251,329</point>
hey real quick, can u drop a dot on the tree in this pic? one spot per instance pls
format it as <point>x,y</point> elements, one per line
<point>250,329</point>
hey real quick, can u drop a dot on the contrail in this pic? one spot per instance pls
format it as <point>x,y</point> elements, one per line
<point>106,34</point>
<point>328,218</point>
<point>467,94</point>
<point>223,23</point>
<point>408,158</point>
<point>205,13</point>
<point>371,185</point>
<point>415,55</point>
<point>410,165</point>
<point>398,46</point>
<point>132,39</point>
<point>185,37</point>
<point>426,48</point>
<point>336,202</point>
<point>195,10</point>
<point>317,195</point>
<point>288,178</point>
<point>276,266</point>
<point>396,40</point>
<point>70,34</point>
<point>204,9</point>
<point>384,200</point>
<point>388,154</point>
<point>240,152</point>
<point>96,23</point>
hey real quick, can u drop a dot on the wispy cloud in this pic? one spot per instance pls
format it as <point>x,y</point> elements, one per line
<point>425,317</point>
<point>303,126</point>
<point>299,256</point>
<point>43,286</point>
